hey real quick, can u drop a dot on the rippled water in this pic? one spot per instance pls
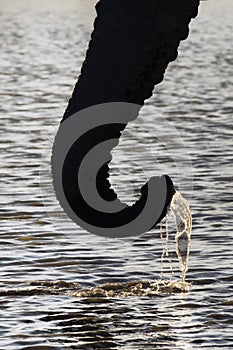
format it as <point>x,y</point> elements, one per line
<point>42,49</point>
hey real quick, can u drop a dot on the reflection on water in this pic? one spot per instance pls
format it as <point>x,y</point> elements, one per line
<point>42,49</point>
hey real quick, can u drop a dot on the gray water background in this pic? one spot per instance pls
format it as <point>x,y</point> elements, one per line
<point>42,48</point>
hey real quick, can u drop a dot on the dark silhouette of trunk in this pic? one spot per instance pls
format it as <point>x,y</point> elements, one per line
<point>131,45</point>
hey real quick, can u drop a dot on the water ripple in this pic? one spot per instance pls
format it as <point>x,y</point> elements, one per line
<point>42,49</point>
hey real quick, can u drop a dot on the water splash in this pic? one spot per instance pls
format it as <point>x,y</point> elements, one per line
<point>180,212</point>
<point>106,290</point>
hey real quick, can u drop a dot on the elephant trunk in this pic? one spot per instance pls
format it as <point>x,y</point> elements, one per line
<point>131,45</point>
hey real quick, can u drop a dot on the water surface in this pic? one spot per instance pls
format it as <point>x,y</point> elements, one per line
<point>42,48</point>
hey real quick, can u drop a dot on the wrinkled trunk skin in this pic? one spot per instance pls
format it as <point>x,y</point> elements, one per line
<point>131,45</point>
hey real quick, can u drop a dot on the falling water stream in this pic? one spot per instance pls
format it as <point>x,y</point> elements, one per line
<point>183,220</point>
<point>179,209</point>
